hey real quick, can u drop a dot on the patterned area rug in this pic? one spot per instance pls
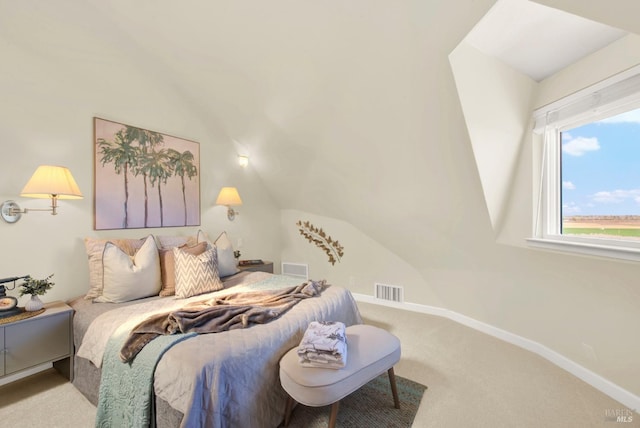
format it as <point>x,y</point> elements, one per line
<point>370,406</point>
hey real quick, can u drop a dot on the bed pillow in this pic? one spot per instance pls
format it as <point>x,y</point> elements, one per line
<point>196,274</point>
<point>94,249</point>
<point>226,261</point>
<point>168,266</point>
<point>128,278</point>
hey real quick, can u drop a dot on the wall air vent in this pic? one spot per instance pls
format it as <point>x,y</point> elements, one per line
<point>392,293</point>
<point>300,270</point>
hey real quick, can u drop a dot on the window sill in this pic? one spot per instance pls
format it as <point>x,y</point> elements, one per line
<point>588,249</point>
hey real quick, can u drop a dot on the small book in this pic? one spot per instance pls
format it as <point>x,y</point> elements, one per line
<point>250,262</point>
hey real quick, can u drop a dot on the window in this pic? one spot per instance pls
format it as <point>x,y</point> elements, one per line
<point>600,173</point>
<point>589,199</point>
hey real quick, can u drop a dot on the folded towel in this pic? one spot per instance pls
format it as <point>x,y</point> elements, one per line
<point>324,344</point>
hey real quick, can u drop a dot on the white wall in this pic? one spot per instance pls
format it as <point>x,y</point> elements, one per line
<point>496,102</point>
<point>566,302</point>
<point>364,263</point>
<point>512,288</point>
<point>55,78</point>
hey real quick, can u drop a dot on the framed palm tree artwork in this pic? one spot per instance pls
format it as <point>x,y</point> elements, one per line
<point>144,178</point>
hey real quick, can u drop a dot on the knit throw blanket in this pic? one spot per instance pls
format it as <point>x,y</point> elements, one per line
<point>126,389</point>
<point>238,310</point>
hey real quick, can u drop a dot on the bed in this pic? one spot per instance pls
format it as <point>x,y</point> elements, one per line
<point>226,379</point>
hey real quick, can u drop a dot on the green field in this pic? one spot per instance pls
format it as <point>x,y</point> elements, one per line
<point>600,231</point>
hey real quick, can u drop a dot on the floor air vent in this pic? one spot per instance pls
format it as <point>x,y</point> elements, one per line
<point>393,293</point>
<point>300,270</point>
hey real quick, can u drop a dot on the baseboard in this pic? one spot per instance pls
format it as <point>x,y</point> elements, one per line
<point>607,387</point>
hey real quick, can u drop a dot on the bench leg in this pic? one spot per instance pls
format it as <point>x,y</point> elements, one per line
<point>394,390</point>
<point>334,414</point>
<point>287,411</point>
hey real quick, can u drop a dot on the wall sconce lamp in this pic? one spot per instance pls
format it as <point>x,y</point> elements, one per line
<point>55,182</point>
<point>229,196</point>
<point>243,160</point>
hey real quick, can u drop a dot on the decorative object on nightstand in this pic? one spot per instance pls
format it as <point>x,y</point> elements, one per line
<point>35,287</point>
<point>250,262</point>
<point>255,265</point>
<point>229,196</point>
<point>8,304</point>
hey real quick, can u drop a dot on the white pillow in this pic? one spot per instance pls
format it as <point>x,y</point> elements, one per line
<point>95,248</point>
<point>128,278</point>
<point>226,261</point>
<point>196,274</point>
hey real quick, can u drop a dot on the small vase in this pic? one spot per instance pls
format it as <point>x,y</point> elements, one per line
<point>34,304</point>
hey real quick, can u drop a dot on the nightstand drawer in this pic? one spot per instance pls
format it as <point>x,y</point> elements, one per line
<point>2,358</point>
<point>44,338</point>
<point>36,341</point>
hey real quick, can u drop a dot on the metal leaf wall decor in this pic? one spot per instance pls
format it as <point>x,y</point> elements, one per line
<point>317,236</point>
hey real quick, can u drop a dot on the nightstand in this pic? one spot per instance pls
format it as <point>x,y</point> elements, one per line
<point>265,266</point>
<point>44,338</point>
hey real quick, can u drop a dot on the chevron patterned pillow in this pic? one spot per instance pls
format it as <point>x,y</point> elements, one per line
<point>168,265</point>
<point>196,274</point>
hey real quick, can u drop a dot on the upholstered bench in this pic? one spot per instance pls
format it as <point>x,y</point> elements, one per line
<point>370,352</point>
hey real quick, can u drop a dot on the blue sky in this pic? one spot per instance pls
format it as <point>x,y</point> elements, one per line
<point>601,167</point>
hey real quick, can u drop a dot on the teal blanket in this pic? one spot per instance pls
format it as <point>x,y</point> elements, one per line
<point>126,389</point>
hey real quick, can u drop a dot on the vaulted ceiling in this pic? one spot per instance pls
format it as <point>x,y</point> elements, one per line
<point>347,109</point>
<point>538,40</point>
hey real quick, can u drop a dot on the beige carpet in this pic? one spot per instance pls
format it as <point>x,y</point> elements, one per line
<point>478,381</point>
<point>474,381</point>
<point>43,400</point>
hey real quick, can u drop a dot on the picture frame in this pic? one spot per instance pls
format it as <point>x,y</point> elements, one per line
<point>144,179</point>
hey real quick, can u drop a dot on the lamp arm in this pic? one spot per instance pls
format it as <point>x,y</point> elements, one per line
<point>26,210</point>
<point>53,209</point>
<point>15,211</point>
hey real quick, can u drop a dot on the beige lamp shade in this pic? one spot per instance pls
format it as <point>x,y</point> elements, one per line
<point>52,180</point>
<point>228,196</point>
